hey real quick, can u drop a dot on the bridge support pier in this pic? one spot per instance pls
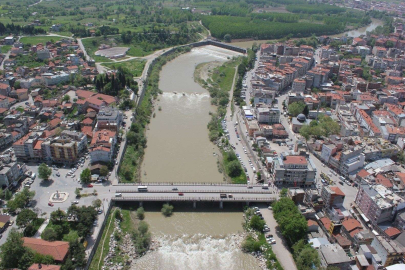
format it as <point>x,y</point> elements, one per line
<point>247,203</point>
<point>221,204</point>
<point>194,204</point>
<point>140,204</point>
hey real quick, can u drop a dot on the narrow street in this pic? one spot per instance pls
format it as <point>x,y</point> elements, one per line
<point>280,247</point>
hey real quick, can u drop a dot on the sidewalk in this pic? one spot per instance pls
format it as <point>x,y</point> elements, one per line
<point>41,229</point>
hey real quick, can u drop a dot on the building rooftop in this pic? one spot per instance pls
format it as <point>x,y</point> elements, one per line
<point>334,254</point>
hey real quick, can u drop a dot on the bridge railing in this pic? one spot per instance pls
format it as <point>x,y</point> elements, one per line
<point>200,191</point>
<point>193,199</point>
<point>185,184</point>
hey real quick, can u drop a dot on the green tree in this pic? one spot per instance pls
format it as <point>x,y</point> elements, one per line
<point>306,111</point>
<point>140,213</point>
<point>256,223</point>
<point>76,256</point>
<point>44,171</point>
<point>296,108</point>
<point>17,85</point>
<point>66,98</point>
<point>58,216</point>
<point>227,38</point>
<point>283,192</point>
<point>97,203</point>
<point>85,176</point>
<point>13,254</point>
<point>43,259</point>
<point>77,192</point>
<point>49,234</point>
<point>234,169</point>
<point>143,227</point>
<point>25,217</point>
<point>307,259</point>
<point>104,170</point>
<point>167,210</point>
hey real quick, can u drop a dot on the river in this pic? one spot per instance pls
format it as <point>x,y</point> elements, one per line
<point>178,146</point>
<point>352,33</point>
<point>179,151</point>
<point>197,240</point>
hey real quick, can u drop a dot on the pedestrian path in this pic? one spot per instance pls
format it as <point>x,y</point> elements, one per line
<point>41,229</point>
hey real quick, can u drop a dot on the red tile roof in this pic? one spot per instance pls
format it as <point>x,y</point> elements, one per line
<point>350,224</point>
<point>57,249</point>
<point>392,231</point>
<point>381,179</point>
<point>363,173</point>
<point>326,222</point>
<point>337,191</point>
<point>311,222</point>
<point>295,160</point>
<point>36,266</point>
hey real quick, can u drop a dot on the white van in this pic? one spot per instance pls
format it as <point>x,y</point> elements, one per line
<point>33,176</point>
<point>118,194</point>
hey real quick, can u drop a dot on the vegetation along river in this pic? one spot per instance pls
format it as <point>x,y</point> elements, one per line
<point>179,151</point>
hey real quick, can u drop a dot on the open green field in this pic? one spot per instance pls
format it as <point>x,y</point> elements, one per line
<point>39,39</point>
<point>134,66</point>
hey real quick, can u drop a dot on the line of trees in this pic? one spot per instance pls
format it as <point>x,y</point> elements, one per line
<point>243,27</point>
<point>293,226</point>
<point>18,29</point>
<point>315,9</point>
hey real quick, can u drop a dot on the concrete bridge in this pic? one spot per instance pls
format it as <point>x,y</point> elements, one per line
<point>198,193</point>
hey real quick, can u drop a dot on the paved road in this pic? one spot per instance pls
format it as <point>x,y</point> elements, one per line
<point>280,248</point>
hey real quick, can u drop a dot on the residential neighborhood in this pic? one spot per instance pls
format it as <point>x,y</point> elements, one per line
<point>328,124</point>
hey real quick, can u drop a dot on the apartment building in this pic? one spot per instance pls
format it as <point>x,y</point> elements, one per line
<point>378,203</point>
<point>64,151</point>
<point>332,196</point>
<point>293,171</point>
<point>388,250</point>
<point>11,173</point>
<point>79,137</point>
<point>109,118</point>
<point>102,146</point>
<point>268,115</point>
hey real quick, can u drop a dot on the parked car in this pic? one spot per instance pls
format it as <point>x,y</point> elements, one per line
<point>89,185</point>
<point>181,194</point>
<point>75,202</point>
<point>50,204</point>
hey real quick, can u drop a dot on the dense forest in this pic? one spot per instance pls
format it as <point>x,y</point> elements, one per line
<point>112,84</point>
<point>18,29</point>
<point>243,27</point>
<point>315,9</point>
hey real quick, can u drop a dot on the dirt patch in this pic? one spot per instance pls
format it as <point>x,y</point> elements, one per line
<point>116,52</point>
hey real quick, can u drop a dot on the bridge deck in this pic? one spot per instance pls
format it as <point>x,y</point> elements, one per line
<point>192,199</point>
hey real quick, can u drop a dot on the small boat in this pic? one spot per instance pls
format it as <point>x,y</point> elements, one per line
<point>184,94</point>
<point>175,93</point>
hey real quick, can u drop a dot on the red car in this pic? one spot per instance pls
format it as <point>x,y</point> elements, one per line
<point>50,204</point>
<point>89,185</point>
<point>181,194</point>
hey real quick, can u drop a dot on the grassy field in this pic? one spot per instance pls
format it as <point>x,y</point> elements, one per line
<point>5,48</point>
<point>134,66</point>
<point>92,44</point>
<point>39,39</point>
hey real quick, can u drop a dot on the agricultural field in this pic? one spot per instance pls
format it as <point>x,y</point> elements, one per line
<point>145,27</point>
<point>39,39</point>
